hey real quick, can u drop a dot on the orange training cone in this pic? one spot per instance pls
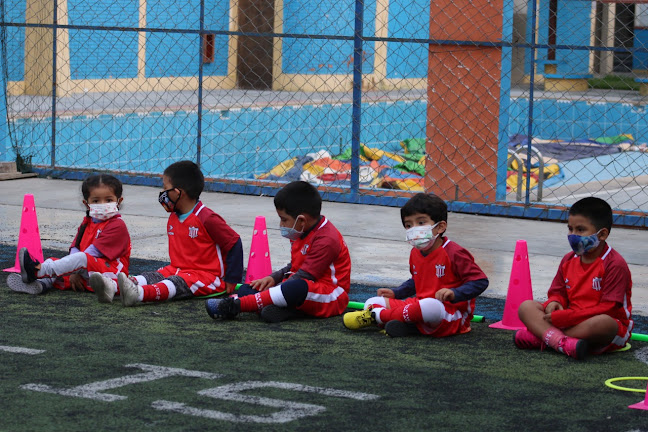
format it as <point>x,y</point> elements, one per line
<point>519,289</point>
<point>259,265</point>
<point>643,405</point>
<point>29,235</point>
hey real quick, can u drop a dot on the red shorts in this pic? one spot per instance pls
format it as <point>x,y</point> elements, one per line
<point>455,321</point>
<point>622,337</point>
<point>200,283</point>
<point>324,300</point>
<point>110,268</point>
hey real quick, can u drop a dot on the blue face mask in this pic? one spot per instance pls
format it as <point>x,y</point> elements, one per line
<point>583,244</point>
<point>291,233</point>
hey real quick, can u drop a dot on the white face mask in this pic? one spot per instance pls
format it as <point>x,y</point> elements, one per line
<point>421,237</point>
<point>103,211</point>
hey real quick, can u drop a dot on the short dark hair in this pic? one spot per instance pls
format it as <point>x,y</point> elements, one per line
<point>596,210</point>
<point>428,204</point>
<point>187,176</point>
<point>297,198</point>
<point>97,180</point>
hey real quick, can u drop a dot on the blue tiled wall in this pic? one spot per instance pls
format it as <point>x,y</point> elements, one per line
<point>326,17</point>
<point>408,20</point>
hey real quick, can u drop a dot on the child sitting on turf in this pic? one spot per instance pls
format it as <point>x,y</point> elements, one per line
<point>206,254</point>
<point>102,245</point>
<point>439,299</point>
<point>317,280</point>
<point>588,307</point>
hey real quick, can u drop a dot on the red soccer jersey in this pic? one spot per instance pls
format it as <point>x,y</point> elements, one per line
<point>578,287</point>
<point>201,241</point>
<point>110,237</point>
<point>324,255</point>
<point>449,266</point>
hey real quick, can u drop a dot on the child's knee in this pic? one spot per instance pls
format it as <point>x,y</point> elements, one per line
<point>376,301</point>
<point>527,307</point>
<point>432,310</point>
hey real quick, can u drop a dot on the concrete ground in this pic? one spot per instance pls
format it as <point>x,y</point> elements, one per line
<point>374,234</point>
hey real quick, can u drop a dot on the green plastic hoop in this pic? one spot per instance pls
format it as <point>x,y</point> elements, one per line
<point>616,387</point>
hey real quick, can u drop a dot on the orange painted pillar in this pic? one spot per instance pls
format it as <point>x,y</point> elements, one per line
<point>463,100</point>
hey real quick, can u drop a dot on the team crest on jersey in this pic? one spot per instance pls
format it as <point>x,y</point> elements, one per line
<point>596,284</point>
<point>567,284</point>
<point>440,270</point>
<point>305,249</point>
<point>193,232</point>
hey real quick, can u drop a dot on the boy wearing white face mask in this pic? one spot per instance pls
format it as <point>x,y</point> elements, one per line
<point>102,245</point>
<point>317,280</point>
<point>439,299</point>
<point>588,309</point>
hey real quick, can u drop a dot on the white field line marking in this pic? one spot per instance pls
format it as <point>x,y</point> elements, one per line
<point>289,410</point>
<point>93,390</point>
<point>20,350</point>
<point>600,192</point>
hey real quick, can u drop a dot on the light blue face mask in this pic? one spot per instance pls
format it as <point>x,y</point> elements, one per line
<point>583,244</point>
<point>291,233</point>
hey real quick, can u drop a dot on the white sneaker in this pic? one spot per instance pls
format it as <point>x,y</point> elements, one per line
<point>128,291</point>
<point>15,283</point>
<point>103,286</point>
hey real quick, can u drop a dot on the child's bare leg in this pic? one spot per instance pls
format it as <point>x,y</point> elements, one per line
<point>532,314</point>
<point>599,330</point>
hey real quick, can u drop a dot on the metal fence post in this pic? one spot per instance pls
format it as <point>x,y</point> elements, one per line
<point>200,81</point>
<point>54,83</point>
<point>534,17</point>
<point>357,98</point>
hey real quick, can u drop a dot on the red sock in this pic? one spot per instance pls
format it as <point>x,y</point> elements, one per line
<point>552,337</point>
<point>256,302</point>
<point>408,313</point>
<point>156,292</point>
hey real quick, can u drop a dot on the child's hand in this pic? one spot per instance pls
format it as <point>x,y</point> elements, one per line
<point>263,284</point>
<point>76,282</point>
<point>552,307</point>
<point>445,294</point>
<point>231,287</point>
<point>385,292</point>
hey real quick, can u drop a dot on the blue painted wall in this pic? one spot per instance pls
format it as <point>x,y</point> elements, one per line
<point>640,59</point>
<point>408,20</point>
<point>100,54</point>
<point>326,17</point>
<point>15,13</point>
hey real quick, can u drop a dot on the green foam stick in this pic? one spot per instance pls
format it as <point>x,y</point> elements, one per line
<point>217,294</point>
<point>360,305</point>
<point>639,337</point>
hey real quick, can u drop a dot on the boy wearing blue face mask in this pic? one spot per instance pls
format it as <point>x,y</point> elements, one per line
<point>588,309</point>
<point>317,280</point>
<point>206,254</point>
<point>439,299</point>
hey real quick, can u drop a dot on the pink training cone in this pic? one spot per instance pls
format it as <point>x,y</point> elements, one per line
<point>29,235</point>
<point>641,405</point>
<point>259,265</point>
<point>519,289</point>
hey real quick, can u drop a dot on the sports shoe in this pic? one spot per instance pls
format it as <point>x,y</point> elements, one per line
<point>28,265</point>
<point>524,339</point>
<point>358,319</point>
<point>275,314</point>
<point>395,328</point>
<point>15,283</point>
<point>574,348</point>
<point>102,286</point>
<point>127,290</point>
<point>227,308</point>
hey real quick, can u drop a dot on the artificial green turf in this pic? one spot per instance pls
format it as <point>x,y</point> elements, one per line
<point>478,381</point>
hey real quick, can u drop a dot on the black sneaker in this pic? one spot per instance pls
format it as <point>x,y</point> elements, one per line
<point>395,328</point>
<point>275,314</point>
<point>28,265</point>
<point>227,308</point>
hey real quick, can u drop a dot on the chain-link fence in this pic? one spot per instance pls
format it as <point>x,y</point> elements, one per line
<point>508,107</point>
